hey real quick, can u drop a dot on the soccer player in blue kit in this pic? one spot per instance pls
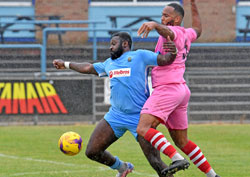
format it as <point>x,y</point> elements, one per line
<point>127,71</point>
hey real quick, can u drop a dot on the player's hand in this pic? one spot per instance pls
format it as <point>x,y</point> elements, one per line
<point>59,64</point>
<point>146,28</point>
<point>169,46</point>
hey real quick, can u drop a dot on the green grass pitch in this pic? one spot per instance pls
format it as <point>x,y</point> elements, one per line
<point>32,151</point>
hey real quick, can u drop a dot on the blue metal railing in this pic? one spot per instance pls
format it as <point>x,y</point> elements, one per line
<point>54,22</point>
<point>46,30</point>
<point>94,30</point>
<point>43,47</point>
<point>8,25</point>
<point>44,44</point>
<point>22,46</point>
<point>222,44</point>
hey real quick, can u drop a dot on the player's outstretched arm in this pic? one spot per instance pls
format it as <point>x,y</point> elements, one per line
<point>164,31</point>
<point>149,26</point>
<point>196,21</point>
<point>85,68</point>
<point>146,28</point>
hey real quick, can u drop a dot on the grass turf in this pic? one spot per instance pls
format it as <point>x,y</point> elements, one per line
<point>32,151</point>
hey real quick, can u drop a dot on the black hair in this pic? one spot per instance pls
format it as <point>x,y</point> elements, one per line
<point>178,8</point>
<point>124,36</point>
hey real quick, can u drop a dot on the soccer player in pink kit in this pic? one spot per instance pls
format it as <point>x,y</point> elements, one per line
<point>169,101</point>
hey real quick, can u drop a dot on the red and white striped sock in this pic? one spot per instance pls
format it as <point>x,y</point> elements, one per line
<point>158,140</point>
<point>196,156</point>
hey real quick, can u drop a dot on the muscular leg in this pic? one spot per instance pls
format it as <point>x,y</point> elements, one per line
<point>146,122</point>
<point>179,137</point>
<point>152,155</point>
<point>99,142</point>
<point>146,128</point>
<point>188,147</point>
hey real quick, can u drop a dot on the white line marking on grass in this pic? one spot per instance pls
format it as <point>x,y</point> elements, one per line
<point>67,172</point>
<point>40,160</point>
<point>61,163</point>
<point>144,174</point>
<point>48,172</point>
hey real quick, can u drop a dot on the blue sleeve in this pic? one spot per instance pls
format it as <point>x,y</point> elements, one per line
<point>149,57</point>
<point>100,69</point>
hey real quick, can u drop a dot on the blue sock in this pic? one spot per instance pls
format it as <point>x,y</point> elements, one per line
<point>118,163</point>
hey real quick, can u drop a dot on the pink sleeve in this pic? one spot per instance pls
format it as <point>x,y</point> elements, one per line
<point>179,36</point>
<point>191,33</point>
<point>174,30</point>
<point>158,47</point>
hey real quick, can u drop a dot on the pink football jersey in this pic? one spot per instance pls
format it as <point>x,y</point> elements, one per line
<point>173,73</point>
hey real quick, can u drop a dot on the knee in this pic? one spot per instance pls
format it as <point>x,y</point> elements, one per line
<point>179,137</point>
<point>180,143</point>
<point>91,153</point>
<point>144,125</point>
<point>140,131</point>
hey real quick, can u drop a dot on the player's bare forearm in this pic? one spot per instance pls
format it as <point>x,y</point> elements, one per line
<point>196,21</point>
<point>85,68</point>
<point>166,59</point>
<point>146,28</point>
<point>164,31</point>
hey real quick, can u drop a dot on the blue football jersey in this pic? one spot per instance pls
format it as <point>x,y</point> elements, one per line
<point>128,79</point>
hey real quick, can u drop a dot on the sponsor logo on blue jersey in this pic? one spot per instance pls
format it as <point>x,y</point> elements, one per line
<point>122,72</point>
